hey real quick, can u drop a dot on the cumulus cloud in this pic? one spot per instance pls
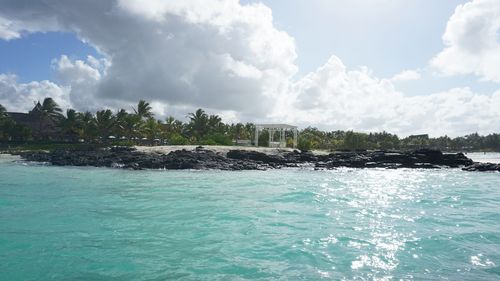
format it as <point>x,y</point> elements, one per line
<point>17,96</point>
<point>472,41</point>
<point>334,97</point>
<point>82,79</point>
<point>407,75</point>
<point>218,54</point>
<point>7,30</point>
<point>230,59</point>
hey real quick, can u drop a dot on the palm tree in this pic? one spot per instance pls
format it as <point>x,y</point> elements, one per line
<point>238,131</point>
<point>173,125</point>
<point>198,123</point>
<point>214,123</point>
<point>71,124</point>
<point>132,126</point>
<point>120,122</point>
<point>169,126</point>
<point>169,122</point>
<point>104,121</point>
<point>3,117</point>
<point>87,121</point>
<point>152,129</point>
<point>3,112</point>
<point>248,131</point>
<point>143,110</point>
<point>49,111</point>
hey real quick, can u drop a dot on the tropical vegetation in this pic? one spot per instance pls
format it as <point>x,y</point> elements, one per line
<point>141,127</point>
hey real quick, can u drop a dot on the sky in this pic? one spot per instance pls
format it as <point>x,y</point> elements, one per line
<point>406,67</point>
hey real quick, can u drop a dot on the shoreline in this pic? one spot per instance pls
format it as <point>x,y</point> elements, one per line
<point>250,158</point>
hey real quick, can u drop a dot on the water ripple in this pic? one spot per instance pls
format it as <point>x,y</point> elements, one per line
<point>345,224</point>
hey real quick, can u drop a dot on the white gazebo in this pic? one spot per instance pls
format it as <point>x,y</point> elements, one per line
<point>272,128</point>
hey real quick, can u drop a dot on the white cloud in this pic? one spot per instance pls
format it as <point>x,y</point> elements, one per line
<point>217,54</point>
<point>472,40</point>
<point>334,97</point>
<point>230,59</point>
<point>82,78</point>
<point>78,71</point>
<point>22,97</point>
<point>7,30</point>
<point>407,75</point>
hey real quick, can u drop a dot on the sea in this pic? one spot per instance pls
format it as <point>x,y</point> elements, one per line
<point>68,223</point>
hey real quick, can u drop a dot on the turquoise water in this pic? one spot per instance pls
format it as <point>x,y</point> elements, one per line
<point>347,224</point>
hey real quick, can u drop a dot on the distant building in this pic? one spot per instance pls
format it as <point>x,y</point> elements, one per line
<point>40,127</point>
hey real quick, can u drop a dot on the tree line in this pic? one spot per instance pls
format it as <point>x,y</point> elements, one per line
<point>140,126</point>
<point>312,138</point>
<point>122,127</point>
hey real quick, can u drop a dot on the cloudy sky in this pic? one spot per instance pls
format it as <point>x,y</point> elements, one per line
<point>407,67</point>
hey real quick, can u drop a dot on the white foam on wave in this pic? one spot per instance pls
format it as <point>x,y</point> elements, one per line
<point>479,260</point>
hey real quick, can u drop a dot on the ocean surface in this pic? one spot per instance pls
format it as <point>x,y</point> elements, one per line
<point>64,223</point>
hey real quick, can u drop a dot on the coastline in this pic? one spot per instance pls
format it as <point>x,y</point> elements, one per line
<point>236,158</point>
<point>222,149</point>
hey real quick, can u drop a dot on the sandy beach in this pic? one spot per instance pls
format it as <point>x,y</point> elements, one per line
<point>215,148</point>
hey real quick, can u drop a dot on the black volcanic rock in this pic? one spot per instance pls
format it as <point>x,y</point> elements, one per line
<point>200,158</point>
<point>255,156</point>
<point>482,167</point>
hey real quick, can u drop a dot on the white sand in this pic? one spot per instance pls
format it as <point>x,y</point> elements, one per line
<point>216,148</point>
<point>9,158</point>
<point>165,149</point>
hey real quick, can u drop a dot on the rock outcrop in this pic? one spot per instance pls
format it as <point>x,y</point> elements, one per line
<point>482,167</point>
<point>200,158</point>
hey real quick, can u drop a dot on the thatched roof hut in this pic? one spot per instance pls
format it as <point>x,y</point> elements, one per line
<point>40,127</point>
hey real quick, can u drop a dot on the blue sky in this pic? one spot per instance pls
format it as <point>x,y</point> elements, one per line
<point>387,36</point>
<point>359,64</point>
<point>30,57</point>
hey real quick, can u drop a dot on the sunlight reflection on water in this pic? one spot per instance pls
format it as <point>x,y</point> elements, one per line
<point>344,224</point>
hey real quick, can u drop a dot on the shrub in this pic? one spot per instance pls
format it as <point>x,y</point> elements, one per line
<point>177,139</point>
<point>216,139</point>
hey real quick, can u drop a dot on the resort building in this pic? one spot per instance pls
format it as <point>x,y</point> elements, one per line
<point>41,128</point>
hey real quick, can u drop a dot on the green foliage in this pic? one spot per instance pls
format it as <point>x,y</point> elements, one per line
<point>177,139</point>
<point>217,139</point>
<point>104,122</point>
<point>198,125</point>
<point>132,126</point>
<point>173,126</point>
<point>129,128</point>
<point>3,112</point>
<point>312,138</point>
<point>143,110</point>
<point>207,141</point>
<point>88,127</point>
<point>49,110</point>
<point>355,141</point>
<point>152,129</point>
<point>304,144</point>
<point>10,130</point>
<point>71,125</point>
<point>264,138</point>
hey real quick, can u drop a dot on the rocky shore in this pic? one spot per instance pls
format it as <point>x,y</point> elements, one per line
<point>238,159</point>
